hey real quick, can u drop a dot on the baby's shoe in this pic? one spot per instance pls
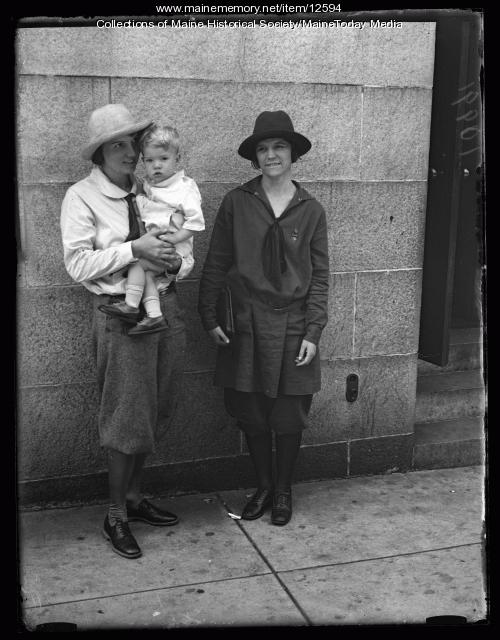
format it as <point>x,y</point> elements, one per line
<point>120,310</point>
<point>148,325</point>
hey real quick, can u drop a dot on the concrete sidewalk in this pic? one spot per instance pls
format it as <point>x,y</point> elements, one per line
<point>379,549</point>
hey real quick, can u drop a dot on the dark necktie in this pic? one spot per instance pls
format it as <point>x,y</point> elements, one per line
<point>136,226</point>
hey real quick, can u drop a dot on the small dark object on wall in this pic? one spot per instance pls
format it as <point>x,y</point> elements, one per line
<point>351,388</point>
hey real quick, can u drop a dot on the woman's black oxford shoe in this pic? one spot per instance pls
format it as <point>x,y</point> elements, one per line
<point>282,508</point>
<point>147,512</point>
<point>258,503</point>
<point>121,539</point>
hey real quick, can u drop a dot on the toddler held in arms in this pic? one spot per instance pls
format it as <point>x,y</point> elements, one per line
<point>171,202</point>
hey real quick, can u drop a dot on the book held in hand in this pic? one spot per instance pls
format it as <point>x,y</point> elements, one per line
<point>224,312</point>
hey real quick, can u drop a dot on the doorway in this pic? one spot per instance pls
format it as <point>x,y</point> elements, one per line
<point>450,399</point>
<point>453,252</point>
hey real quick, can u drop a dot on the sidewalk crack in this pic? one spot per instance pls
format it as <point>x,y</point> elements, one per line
<point>268,563</point>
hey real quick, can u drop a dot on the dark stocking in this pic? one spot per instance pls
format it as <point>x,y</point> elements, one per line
<point>260,448</point>
<point>287,449</point>
<point>134,485</point>
<point>120,467</point>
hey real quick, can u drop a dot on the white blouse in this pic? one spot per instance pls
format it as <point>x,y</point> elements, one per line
<point>94,225</point>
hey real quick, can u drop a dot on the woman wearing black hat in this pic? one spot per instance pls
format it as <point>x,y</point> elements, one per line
<point>269,247</point>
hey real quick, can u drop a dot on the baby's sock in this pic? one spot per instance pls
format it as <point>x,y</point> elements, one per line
<point>133,295</point>
<point>152,306</point>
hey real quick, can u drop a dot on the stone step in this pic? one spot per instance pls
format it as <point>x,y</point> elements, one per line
<point>449,443</point>
<point>465,353</point>
<point>447,396</point>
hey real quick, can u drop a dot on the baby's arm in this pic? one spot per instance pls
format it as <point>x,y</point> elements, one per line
<point>176,233</point>
<point>177,236</point>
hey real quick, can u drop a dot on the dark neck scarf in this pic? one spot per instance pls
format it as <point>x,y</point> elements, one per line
<point>273,251</point>
<point>273,254</point>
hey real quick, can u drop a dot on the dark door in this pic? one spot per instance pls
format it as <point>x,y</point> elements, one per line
<point>452,236</point>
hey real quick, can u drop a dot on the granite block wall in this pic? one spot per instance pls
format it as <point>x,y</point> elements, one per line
<point>363,97</point>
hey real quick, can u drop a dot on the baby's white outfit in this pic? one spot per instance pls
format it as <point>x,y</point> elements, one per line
<point>177,194</point>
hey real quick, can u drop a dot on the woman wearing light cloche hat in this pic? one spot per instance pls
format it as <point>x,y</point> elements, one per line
<point>138,379</point>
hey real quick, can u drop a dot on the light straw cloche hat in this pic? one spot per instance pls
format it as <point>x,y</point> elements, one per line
<point>108,122</point>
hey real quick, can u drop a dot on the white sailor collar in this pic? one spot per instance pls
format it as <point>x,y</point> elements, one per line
<point>108,188</point>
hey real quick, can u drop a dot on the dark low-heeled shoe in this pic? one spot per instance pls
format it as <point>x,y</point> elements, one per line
<point>282,508</point>
<point>149,325</point>
<point>121,539</point>
<point>121,310</point>
<point>258,503</point>
<point>147,512</point>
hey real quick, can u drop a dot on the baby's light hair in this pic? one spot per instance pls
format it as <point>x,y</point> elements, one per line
<point>160,136</point>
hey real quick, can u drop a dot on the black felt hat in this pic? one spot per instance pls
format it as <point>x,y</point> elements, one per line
<point>274,124</point>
